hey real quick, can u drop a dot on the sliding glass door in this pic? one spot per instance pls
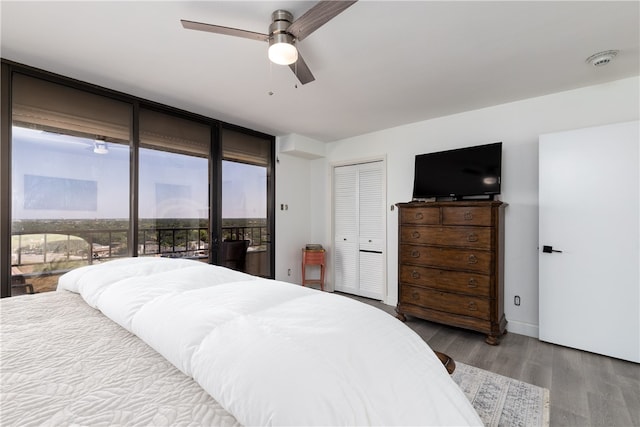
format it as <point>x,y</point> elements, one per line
<point>173,187</point>
<point>247,213</point>
<point>70,181</point>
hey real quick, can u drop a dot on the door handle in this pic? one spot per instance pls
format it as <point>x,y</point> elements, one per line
<point>549,249</point>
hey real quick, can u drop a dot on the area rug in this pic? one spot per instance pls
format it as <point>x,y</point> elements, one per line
<point>503,401</point>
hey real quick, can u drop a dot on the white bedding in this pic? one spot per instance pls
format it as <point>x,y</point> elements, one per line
<point>273,353</point>
<point>63,363</point>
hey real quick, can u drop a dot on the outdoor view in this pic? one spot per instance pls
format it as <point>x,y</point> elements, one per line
<point>71,205</point>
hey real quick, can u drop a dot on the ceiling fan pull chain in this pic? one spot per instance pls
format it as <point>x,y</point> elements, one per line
<point>270,78</point>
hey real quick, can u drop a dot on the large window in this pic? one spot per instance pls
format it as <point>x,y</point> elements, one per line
<point>91,175</point>
<point>70,181</point>
<point>246,187</point>
<point>173,203</point>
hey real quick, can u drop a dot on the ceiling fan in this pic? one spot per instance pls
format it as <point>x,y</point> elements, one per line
<point>284,33</point>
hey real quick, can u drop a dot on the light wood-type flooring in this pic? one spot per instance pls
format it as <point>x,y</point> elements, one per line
<point>586,389</point>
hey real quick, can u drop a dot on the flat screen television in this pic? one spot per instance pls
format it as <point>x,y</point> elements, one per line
<point>457,174</point>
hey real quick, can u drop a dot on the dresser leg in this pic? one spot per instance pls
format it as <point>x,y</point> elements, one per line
<point>491,340</point>
<point>400,316</point>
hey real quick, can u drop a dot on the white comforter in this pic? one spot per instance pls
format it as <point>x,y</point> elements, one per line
<point>274,353</point>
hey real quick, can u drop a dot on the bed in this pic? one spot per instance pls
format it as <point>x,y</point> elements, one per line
<point>157,341</point>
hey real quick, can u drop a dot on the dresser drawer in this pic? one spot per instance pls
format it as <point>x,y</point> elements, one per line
<point>452,281</point>
<point>466,215</point>
<point>455,259</point>
<point>469,237</point>
<point>444,301</point>
<point>420,216</point>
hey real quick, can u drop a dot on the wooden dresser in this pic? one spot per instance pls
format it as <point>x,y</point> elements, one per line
<point>450,264</point>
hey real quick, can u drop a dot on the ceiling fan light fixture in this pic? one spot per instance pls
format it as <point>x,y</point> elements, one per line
<point>284,33</point>
<point>282,51</point>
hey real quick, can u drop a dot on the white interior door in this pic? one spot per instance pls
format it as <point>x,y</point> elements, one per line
<point>589,274</point>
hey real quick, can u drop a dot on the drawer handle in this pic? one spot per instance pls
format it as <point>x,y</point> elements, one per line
<point>415,274</point>
<point>472,283</point>
<point>415,295</point>
<point>472,306</point>
<point>415,235</point>
<point>472,237</point>
<point>419,215</point>
<point>472,259</point>
<point>468,216</point>
<point>415,254</point>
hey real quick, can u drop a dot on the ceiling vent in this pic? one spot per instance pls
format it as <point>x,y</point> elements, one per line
<point>602,58</point>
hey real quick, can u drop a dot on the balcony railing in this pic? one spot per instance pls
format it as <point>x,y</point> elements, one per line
<point>184,242</point>
<point>39,257</point>
<point>89,246</point>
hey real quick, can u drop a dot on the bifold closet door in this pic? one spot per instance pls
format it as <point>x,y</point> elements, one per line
<point>359,225</point>
<point>371,230</point>
<point>345,225</point>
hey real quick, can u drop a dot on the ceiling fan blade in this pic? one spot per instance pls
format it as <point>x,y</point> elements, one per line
<point>218,29</point>
<point>316,17</point>
<point>302,71</point>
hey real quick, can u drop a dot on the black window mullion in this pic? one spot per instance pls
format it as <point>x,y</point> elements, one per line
<point>215,194</point>
<point>5,181</point>
<point>271,207</point>
<point>134,224</point>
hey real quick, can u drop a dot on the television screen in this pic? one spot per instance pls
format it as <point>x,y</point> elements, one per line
<point>465,172</point>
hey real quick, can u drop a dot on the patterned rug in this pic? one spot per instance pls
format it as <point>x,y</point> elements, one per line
<point>503,401</point>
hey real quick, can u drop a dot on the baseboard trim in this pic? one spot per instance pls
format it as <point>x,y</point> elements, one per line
<point>523,328</point>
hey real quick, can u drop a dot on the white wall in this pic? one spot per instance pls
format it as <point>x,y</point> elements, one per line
<point>292,225</point>
<point>516,124</point>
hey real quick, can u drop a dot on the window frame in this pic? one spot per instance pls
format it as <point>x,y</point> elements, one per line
<point>9,68</point>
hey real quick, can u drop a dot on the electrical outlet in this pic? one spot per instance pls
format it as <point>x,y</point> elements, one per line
<point>516,300</point>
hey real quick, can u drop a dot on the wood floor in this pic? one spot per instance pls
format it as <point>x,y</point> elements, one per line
<point>586,389</point>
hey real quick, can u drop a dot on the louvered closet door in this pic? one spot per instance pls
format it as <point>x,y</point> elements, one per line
<point>345,213</point>
<point>371,229</point>
<point>359,224</point>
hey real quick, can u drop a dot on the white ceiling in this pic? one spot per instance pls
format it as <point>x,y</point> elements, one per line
<point>377,65</point>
